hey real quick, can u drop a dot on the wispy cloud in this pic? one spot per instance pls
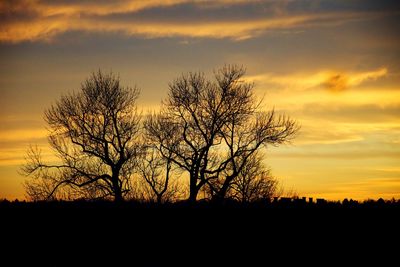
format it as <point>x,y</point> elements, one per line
<point>358,113</point>
<point>342,81</point>
<point>331,80</point>
<point>43,20</point>
<point>70,8</point>
<point>22,134</point>
<point>14,143</point>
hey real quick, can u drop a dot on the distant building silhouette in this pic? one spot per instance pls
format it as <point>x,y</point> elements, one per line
<point>285,200</point>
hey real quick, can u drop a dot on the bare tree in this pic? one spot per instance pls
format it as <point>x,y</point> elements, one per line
<point>253,183</point>
<point>216,126</point>
<point>244,137</point>
<point>94,135</point>
<point>156,171</point>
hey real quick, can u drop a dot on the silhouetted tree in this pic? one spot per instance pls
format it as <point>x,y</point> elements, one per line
<point>156,171</point>
<point>216,126</point>
<point>254,182</point>
<point>94,135</point>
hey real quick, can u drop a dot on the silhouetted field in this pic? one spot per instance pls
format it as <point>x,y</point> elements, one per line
<point>205,234</point>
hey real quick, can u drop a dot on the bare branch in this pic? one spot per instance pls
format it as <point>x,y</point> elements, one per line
<point>94,133</point>
<point>216,128</point>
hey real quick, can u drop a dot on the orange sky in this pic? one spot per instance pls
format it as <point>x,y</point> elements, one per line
<point>332,65</point>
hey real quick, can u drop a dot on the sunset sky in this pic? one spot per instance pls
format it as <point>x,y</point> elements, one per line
<point>334,66</point>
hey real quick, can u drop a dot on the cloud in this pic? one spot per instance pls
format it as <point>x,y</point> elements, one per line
<point>44,20</point>
<point>48,8</point>
<point>341,81</point>
<point>341,155</point>
<point>342,124</point>
<point>364,113</point>
<point>315,135</point>
<point>337,82</point>
<point>331,80</point>
<point>15,142</point>
<point>365,76</point>
<point>341,143</point>
<point>22,134</point>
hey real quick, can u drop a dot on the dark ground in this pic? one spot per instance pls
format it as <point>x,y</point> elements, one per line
<point>133,234</point>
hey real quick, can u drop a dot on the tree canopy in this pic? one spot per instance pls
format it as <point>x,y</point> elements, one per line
<point>213,127</point>
<point>94,134</point>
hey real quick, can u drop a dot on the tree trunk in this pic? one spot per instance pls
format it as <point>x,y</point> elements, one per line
<point>116,188</point>
<point>221,194</point>
<point>159,198</point>
<point>118,196</point>
<point>193,189</point>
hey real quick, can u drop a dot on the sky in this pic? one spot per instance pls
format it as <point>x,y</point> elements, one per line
<point>334,66</point>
